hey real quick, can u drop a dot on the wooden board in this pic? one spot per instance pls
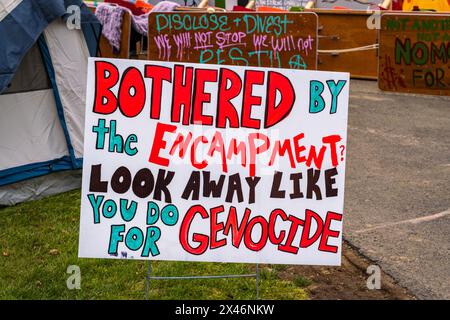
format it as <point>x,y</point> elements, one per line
<point>106,50</point>
<point>415,53</point>
<point>286,40</point>
<point>347,29</point>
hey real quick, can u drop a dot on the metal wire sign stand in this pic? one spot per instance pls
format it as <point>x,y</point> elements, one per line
<point>226,276</point>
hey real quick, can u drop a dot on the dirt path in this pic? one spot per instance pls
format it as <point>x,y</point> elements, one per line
<point>347,282</point>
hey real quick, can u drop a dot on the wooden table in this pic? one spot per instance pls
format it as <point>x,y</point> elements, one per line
<point>347,29</point>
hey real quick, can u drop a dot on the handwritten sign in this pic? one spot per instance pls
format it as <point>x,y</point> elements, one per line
<point>415,53</point>
<point>279,40</point>
<point>213,163</point>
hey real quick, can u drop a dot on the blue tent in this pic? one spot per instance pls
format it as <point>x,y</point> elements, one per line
<point>44,47</point>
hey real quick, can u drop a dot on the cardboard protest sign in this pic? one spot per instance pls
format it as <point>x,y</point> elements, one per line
<point>213,163</point>
<point>279,40</point>
<point>414,54</point>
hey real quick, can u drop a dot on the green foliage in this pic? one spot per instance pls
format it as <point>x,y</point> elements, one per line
<point>302,282</point>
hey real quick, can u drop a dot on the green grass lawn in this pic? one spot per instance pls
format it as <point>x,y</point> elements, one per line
<point>39,240</point>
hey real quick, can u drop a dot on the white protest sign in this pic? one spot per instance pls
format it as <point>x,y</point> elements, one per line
<point>199,162</point>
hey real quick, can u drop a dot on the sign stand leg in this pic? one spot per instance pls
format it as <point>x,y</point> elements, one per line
<point>147,282</point>
<point>257,281</point>
<point>150,277</point>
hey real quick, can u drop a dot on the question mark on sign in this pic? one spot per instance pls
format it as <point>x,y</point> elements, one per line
<point>342,152</point>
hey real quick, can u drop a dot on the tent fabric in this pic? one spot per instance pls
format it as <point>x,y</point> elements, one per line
<point>33,170</point>
<point>69,54</point>
<point>19,30</point>
<point>6,6</point>
<point>34,132</point>
<point>31,74</point>
<point>58,104</point>
<point>23,22</point>
<point>40,187</point>
<point>91,27</point>
<point>43,68</point>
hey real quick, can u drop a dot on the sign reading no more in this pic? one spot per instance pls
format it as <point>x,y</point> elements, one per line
<point>415,53</point>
